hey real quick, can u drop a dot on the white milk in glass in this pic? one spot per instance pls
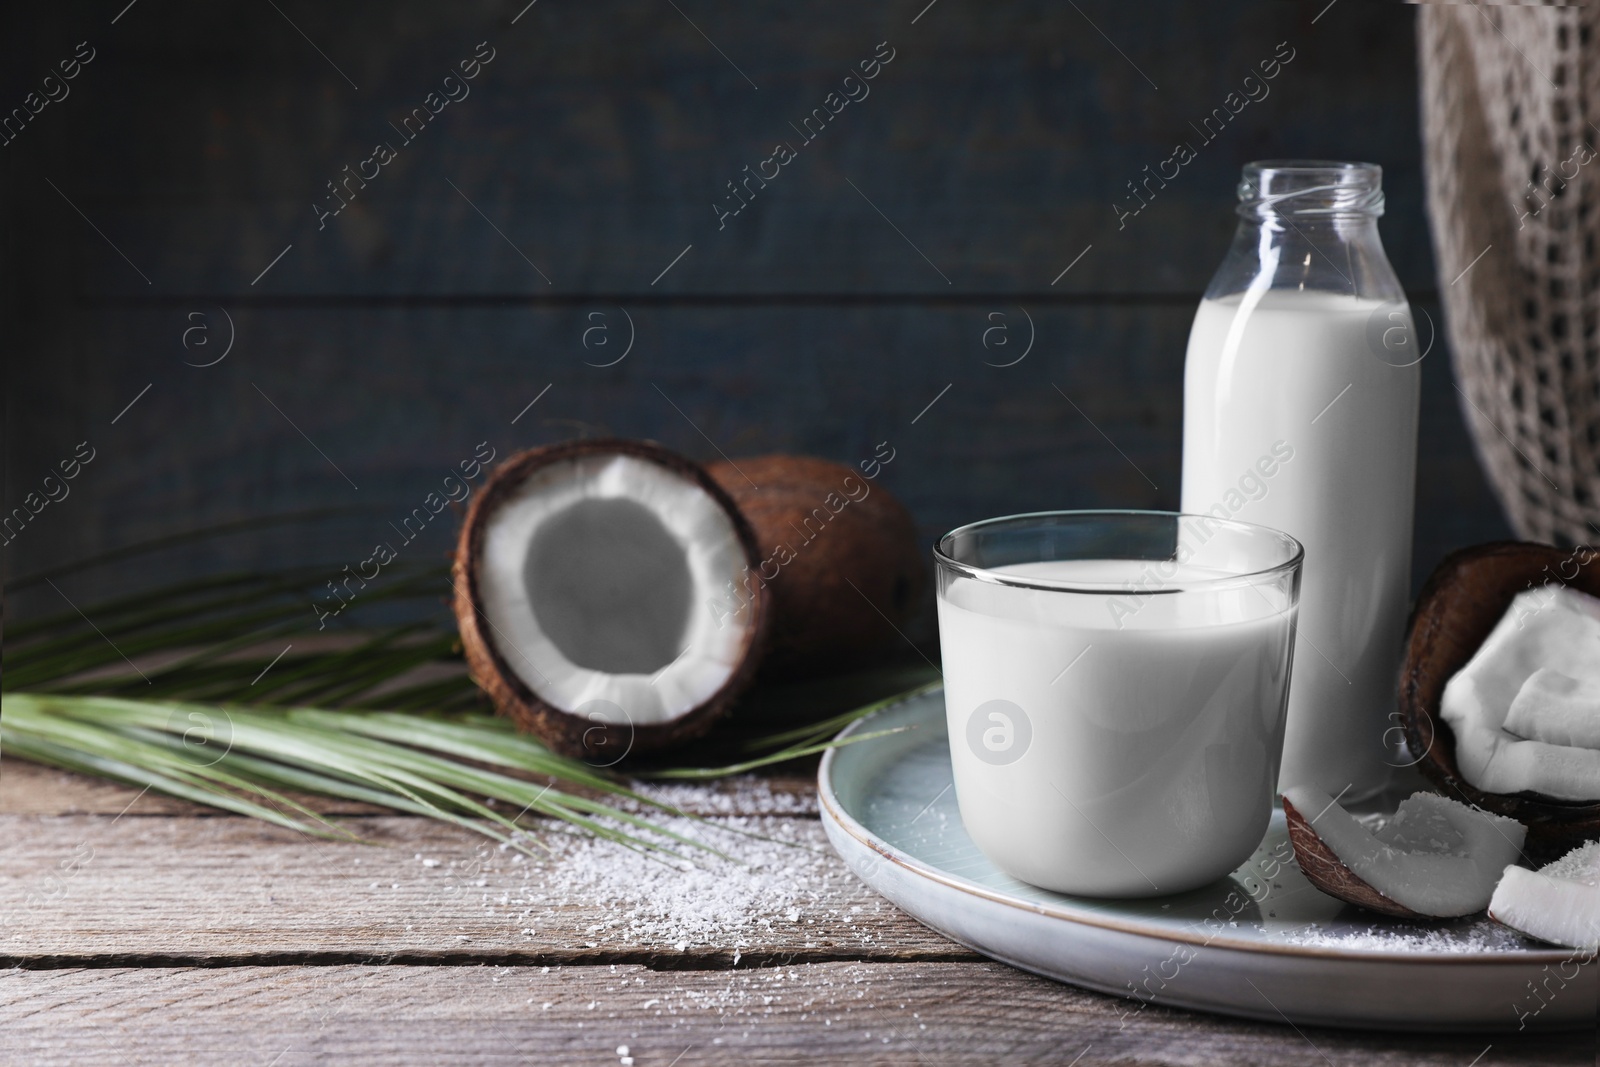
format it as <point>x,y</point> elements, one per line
<point>1114,743</point>
<point>1292,421</point>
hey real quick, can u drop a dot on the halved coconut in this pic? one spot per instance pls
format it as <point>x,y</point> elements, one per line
<point>1559,903</point>
<point>1460,605</point>
<point>1516,711</point>
<point>1433,859</point>
<point>604,597</point>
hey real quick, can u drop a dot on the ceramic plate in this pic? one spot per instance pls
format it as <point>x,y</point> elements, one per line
<point>1262,943</point>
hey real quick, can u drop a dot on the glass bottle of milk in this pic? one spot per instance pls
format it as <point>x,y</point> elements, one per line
<point>1300,413</point>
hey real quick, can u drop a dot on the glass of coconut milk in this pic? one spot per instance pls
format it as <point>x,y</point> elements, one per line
<point>1115,688</point>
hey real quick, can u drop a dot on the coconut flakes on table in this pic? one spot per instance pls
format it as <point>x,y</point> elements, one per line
<point>744,794</point>
<point>662,902</point>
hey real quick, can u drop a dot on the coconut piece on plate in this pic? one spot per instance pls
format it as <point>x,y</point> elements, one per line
<point>1434,858</point>
<point>1559,903</point>
<point>1557,709</point>
<point>1555,628</point>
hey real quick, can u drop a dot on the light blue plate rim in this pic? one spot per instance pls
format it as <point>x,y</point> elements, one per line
<point>1112,914</point>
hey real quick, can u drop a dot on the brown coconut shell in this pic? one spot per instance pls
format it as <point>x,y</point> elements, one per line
<point>1459,605</point>
<point>839,555</point>
<point>1325,870</point>
<point>563,731</point>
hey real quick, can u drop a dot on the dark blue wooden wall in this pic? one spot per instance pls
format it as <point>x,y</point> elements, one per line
<point>588,153</point>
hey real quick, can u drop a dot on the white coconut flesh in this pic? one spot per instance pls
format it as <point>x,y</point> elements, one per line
<point>1526,708</point>
<point>605,583</point>
<point>1557,709</point>
<point>1434,856</point>
<point>1559,903</point>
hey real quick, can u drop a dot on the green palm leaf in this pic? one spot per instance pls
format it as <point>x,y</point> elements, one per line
<point>220,715</point>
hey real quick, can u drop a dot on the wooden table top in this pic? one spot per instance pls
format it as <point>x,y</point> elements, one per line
<point>142,930</point>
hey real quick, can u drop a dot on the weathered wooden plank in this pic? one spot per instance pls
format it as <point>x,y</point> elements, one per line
<point>29,789</point>
<point>395,397</point>
<point>922,1013</point>
<point>80,888</point>
<point>598,140</point>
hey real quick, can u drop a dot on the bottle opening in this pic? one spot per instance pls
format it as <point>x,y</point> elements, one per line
<point>1310,188</point>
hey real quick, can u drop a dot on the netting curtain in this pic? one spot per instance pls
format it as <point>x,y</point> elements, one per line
<point>1511,130</point>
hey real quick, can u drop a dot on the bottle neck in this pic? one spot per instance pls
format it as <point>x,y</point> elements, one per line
<point>1334,252</point>
<point>1350,226</point>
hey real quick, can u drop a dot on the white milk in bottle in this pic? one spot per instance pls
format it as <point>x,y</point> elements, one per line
<point>1300,413</point>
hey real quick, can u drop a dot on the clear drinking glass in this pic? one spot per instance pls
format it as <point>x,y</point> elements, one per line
<point>1115,684</point>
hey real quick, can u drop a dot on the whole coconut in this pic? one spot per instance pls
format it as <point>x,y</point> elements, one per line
<point>840,558</point>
